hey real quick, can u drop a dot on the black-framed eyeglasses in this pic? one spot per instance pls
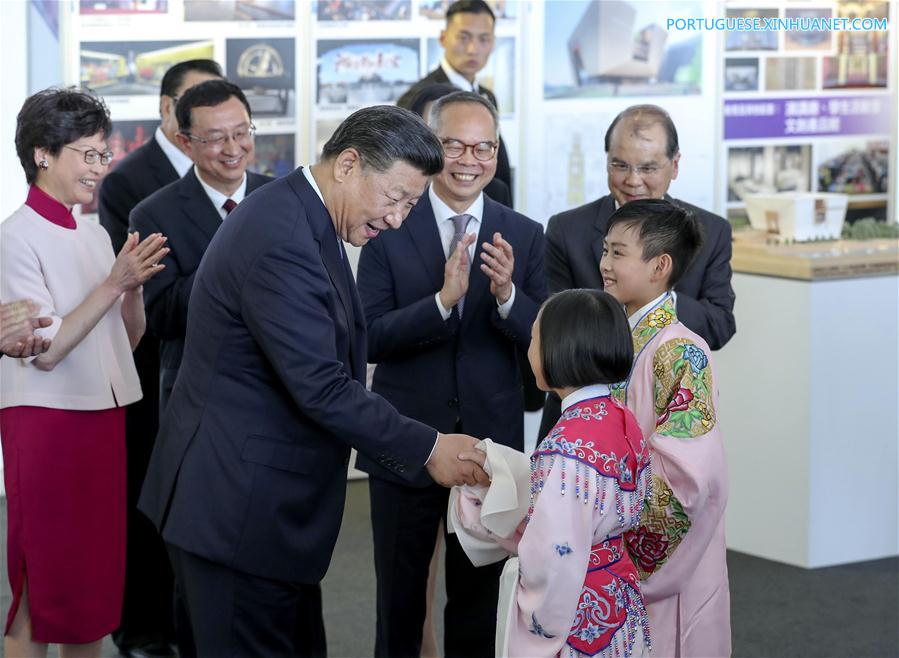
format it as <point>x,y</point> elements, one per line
<point>217,140</point>
<point>483,151</point>
<point>623,169</point>
<point>92,156</point>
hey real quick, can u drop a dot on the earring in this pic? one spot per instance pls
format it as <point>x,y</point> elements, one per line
<point>43,164</point>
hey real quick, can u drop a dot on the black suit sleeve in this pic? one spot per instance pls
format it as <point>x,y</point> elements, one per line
<point>285,284</point>
<point>711,314</point>
<point>117,198</point>
<point>528,296</point>
<point>558,272</point>
<point>166,293</point>
<point>395,331</point>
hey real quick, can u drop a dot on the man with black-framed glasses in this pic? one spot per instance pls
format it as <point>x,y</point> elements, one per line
<point>146,628</point>
<point>449,298</point>
<point>642,159</point>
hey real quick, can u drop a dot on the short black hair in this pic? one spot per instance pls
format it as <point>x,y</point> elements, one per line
<point>664,228</point>
<point>469,7</point>
<point>584,339</point>
<point>55,117</point>
<point>207,94</point>
<point>175,75</point>
<point>645,116</point>
<point>429,94</point>
<point>384,134</point>
<point>460,97</point>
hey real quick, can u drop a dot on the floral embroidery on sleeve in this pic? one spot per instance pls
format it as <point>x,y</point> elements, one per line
<point>683,389</point>
<point>663,526</point>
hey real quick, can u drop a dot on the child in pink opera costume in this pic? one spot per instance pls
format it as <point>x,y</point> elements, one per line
<point>679,545</point>
<point>573,589</point>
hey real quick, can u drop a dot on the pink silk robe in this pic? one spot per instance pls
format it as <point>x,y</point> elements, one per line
<point>679,545</point>
<point>577,590</point>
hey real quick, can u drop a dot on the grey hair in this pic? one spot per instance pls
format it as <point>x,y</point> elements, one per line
<point>437,107</point>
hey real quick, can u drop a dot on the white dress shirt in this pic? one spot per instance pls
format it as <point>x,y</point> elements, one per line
<point>176,156</point>
<point>443,215</point>
<point>457,79</point>
<point>218,199</point>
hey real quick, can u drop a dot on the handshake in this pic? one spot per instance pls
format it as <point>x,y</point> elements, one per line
<point>455,461</point>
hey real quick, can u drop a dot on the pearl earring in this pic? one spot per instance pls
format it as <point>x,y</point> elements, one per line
<point>43,164</point>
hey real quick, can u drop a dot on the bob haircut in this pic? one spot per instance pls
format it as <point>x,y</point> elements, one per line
<point>584,339</point>
<point>55,117</point>
<point>664,228</point>
<point>384,135</point>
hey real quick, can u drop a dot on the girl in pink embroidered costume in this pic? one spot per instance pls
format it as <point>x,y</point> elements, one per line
<point>574,590</point>
<point>679,547</point>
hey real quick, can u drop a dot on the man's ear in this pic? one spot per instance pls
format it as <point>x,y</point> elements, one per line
<point>347,162</point>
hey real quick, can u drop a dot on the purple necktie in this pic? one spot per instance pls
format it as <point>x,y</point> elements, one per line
<point>460,223</point>
<point>229,205</point>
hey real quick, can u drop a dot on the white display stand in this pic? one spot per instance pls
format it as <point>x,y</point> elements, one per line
<point>808,409</point>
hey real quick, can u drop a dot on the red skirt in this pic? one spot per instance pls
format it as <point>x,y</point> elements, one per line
<point>65,488</point>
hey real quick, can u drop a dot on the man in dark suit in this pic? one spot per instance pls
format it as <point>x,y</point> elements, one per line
<point>248,476</point>
<point>467,43</point>
<point>643,158</point>
<point>146,628</point>
<point>445,318</point>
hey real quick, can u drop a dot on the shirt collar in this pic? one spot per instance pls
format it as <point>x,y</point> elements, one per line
<point>218,199</point>
<point>585,393</point>
<point>634,319</point>
<point>457,79</point>
<point>443,212</point>
<point>307,172</point>
<point>176,156</point>
<point>49,208</point>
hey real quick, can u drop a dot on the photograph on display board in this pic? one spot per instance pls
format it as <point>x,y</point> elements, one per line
<point>275,154</point>
<point>124,68</point>
<point>125,137</point>
<point>808,39</point>
<point>790,73</point>
<point>596,48</point>
<point>755,40</point>
<point>498,75</point>
<point>354,73</point>
<point>239,10</point>
<point>123,6</point>
<point>856,166</point>
<point>741,74</point>
<point>861,57</point>
<point>265,70</point>
<point>323,131</point>
<point>436,9</point>
<point>364,10</point>
<point>767,170</point>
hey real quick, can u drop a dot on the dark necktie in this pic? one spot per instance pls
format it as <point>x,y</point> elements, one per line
<point>460,223</point>
<point>229,205</point>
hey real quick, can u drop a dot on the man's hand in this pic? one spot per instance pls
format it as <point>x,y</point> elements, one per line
<point>17,326</point>
<point>456,461</point>
<point>498,265</point>
<point>455,273</point>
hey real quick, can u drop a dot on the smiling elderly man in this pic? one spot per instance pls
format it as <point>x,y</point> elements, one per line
<point>643,158</point>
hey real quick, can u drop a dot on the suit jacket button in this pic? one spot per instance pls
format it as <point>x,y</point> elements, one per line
<point>453,402</point>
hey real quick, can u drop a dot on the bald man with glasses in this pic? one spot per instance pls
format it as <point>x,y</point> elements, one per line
<point>642,159</point>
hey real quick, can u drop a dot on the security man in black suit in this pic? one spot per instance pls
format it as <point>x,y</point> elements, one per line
<point>642,159</point>
<point>146,627</point>
<point>467,43</point>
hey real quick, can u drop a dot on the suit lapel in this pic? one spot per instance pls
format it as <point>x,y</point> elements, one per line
<point>331,249</point>
<point>163,171</point>
<point>605,210</point>
<point>197,205</point>
<point>422,229</point>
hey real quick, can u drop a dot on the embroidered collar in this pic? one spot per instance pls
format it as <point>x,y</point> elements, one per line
<point>657,317</point>
<point>49,208</point>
